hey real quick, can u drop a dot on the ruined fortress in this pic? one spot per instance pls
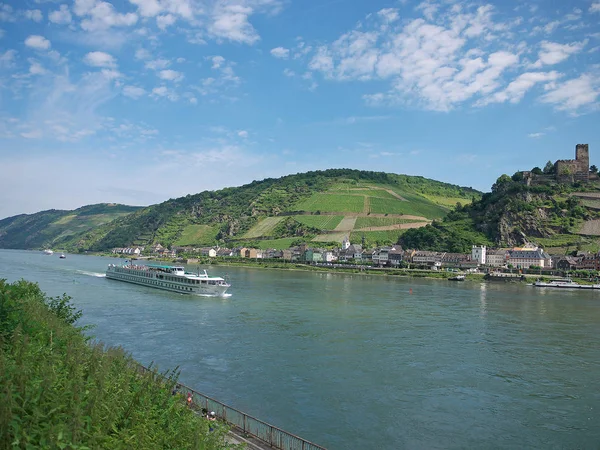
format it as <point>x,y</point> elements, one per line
<point>578,169</point>
<point>565,170</point>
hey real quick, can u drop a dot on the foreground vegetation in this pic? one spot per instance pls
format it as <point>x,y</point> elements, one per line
<point>58,390</point>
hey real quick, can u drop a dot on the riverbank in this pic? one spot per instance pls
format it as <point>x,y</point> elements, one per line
<point>62,390</point>
<point>294,266</point>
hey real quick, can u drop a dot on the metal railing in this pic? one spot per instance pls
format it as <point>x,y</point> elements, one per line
<point>269,434</point>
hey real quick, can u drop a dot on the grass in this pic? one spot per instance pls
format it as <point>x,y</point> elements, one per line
<point>374,192</point>
<point>449,202</point>
<point>197,235</point>
<point>376,237</point>
<point>61,391</point>
<point>331,203</point>
<point>320,222</point>
<point>262,228</point>
<point>415,205</point>
<point>279,244</point>
<point>364,222</point>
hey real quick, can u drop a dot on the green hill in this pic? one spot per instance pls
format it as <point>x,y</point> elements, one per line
<point>320,206</point>
<point>51,228</point>
<point>560,217</point>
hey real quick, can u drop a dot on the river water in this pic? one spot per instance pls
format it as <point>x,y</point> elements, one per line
<point>361,362</point>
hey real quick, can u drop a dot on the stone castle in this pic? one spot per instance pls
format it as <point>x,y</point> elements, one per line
<point>565,170</point>
<point>578,169</point>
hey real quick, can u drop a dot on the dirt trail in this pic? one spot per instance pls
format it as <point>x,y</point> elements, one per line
<point>591,228</point>
<point>347,224</point>
<point>398,226</point>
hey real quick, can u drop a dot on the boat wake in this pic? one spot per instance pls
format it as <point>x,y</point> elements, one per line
<point>91,274</point>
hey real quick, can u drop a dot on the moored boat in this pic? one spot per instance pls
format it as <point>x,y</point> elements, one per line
<point>169,278</point>
<point>457,278</point>
<point>48,252</point>
<point>565,283</point>
<point>62,256</point>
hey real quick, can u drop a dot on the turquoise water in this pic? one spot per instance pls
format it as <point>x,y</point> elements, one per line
<point>358,362</point>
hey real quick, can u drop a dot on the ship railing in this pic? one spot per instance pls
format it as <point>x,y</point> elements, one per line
<point>246,424</point>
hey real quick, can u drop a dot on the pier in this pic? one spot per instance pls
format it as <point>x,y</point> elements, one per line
<point>255,433</point>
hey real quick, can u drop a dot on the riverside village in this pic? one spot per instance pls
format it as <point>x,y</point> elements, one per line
<point>528,257</point>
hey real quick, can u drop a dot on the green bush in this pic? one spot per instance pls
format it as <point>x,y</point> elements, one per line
<point>59,392</point>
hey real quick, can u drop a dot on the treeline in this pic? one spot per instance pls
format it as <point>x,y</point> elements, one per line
<point>59,390</point>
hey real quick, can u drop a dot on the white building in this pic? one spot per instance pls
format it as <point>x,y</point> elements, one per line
<point>478,254</point>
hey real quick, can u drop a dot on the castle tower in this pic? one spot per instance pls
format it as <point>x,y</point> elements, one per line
<point>582,156</point>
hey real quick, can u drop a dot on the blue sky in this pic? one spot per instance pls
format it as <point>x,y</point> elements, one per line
<point>139,101</point>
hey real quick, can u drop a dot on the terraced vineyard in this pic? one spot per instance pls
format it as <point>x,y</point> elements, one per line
<point>263,228</point>
<point>320,222</point>
<point>197,234</point>
<point>319,206</point>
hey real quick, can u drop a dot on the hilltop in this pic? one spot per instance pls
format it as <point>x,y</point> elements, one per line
<point>320,207</point>
<point>560,217</point>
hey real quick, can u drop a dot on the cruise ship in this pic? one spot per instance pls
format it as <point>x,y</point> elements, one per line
<point>169,278</point>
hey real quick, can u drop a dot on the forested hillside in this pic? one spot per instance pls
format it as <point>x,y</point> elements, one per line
<point>554,216</point>
<point>48,228</point>
<point>319,206</point>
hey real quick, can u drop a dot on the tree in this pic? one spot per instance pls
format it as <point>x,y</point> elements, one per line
<point>536,171</point>
<point>593,169</point>
<point>502,181</point>
<point>549,168</point>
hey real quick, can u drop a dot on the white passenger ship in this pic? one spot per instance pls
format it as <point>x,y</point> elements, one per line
<point>169,278</point>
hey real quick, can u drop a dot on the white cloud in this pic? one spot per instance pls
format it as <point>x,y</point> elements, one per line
<point>595,7</point>
<point>217,61</point>
<point>99,59</point>
<point>157,64</point>
<point>35,68</point>
<point>61,16</point>
<point>230,21</point>
<point>151,8</point>
<point>165,21</point>
<point>515,91</point>
<point>289,72</point>
<point>535,135</point>
<point>34,14</point>
<point>37,42</point>
<point>457,53</point>
<point>553,53</point>
<point>170,75</point>
<point>242,134</point>
<point>575,94</point>
<point>142,53</point>
<point>6,13</point>
<point>7,59</point>
<point>280,52</point>
<point>163,91</point>
<point>133,91</point>
<point>100,15</point>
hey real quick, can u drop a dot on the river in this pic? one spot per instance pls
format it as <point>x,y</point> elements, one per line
<point>360,362</point>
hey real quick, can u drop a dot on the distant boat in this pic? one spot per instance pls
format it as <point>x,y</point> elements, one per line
<point>48,252</point>
<point>62,256</point>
